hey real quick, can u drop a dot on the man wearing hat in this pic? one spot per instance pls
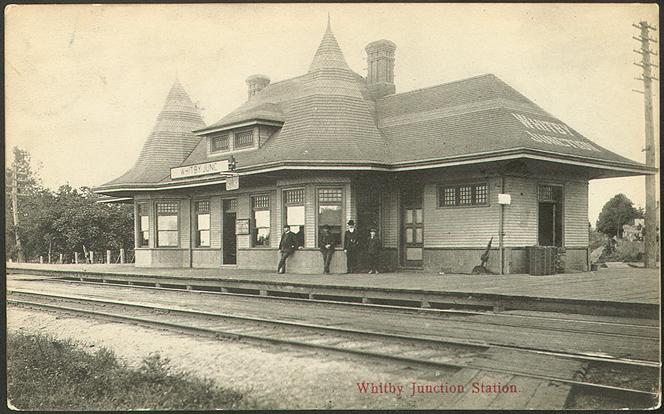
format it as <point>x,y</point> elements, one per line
<point>326,243</point>
<point>351,247</point>
<point>287,247</point>
<point>373,250</point>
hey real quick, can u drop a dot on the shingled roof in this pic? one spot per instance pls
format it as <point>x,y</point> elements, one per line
<point>326,115</point>
<point>329,119</point>
<point>170,142</point>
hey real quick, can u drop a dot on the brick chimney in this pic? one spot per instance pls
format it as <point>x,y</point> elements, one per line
<point>380,68</point>
<point>256,84</point>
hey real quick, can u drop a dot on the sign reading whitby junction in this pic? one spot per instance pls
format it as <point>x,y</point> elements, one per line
<point>214,167</point>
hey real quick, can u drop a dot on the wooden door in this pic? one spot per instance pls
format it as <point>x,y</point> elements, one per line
<point>412,228</point>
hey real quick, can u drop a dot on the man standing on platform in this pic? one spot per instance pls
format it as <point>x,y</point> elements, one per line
<point>287,247</point>
<point>373,250</point>
<point>351,247</point>
<point>327,243</point>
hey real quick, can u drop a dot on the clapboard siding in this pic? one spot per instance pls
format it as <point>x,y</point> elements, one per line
<point>460,226</point>
<point>576,214</point>
<point>390,215</point>
<point>310,216</point>
<point>520,219</point>
<point>185,223</point>
<point>215,223</point>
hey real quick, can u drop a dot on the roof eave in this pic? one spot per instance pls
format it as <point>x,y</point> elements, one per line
<point>237,124</point>
<point>612,168</point>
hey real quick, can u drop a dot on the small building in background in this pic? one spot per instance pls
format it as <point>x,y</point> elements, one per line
<point>438,171</point>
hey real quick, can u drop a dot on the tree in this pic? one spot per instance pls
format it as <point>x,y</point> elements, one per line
<point>617,212</point>
<point>63,221</point>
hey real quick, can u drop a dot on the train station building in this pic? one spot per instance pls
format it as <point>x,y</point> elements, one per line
<point>439,171</point>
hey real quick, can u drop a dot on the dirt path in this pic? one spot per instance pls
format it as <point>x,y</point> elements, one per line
<point>273,377</point>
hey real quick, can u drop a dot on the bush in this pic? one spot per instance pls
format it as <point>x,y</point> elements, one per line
<point>48,374</point>
<point>629,251</point>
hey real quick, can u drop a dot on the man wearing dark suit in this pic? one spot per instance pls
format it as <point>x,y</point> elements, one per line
<point>351,247</point>
<point>326,243</point>
<point>287,247</point>
<point>373,250</point>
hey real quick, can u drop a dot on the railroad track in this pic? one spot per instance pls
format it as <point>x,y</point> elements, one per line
<point>501,319</point>
<point>421,351</point>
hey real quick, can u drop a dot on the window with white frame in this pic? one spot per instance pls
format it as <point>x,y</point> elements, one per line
<point>294,208</point>
<point>261,217</point>
<point>330,211</point>
<point>167,223</point>
<point>463,195</point>
<point>143,225</point>
<point>202,212</point>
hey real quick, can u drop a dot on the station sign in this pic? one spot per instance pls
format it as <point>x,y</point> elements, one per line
<point>195,170</point>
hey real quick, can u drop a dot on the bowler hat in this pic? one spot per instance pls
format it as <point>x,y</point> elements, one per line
<point>351,223</point>
<point>326,227</point>
<point>373,229</point>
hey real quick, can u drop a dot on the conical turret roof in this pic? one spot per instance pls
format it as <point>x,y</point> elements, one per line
<point>170,142</point>
<point>329,54</point>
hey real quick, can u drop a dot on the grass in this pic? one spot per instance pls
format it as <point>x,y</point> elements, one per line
<point>48,374</point>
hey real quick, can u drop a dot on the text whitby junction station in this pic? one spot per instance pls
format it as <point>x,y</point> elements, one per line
<point>438,171</point>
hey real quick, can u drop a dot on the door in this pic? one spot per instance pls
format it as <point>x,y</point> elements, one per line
<point>412,227</point>
<point>549,229</point>
<point>229,243</point>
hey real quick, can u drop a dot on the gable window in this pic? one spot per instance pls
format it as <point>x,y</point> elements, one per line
<point>167,224</point>
<point>244,139</point>
<point>294,207</point>
<point>463,195</point>
<point>329,211</point>
<point>220,143</point>
<point>143,225</point>
<point>202,211</point>
<point>261,212</point>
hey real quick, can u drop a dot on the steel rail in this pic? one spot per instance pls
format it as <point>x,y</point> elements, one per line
<point>437,341</point>
<point>391,307</point>
<point>232,335</point>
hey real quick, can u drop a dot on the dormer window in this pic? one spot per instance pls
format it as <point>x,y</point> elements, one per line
<point>220,143</point>
<point>244,139</point>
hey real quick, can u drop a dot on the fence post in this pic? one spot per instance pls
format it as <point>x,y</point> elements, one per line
<point>76,257</point>
<point>61,259</point>
<point>108,257</point>
<point>92,257</point>
<point>122,256</point>
<point>41,259</point>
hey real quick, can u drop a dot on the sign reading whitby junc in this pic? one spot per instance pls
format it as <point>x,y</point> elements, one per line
<point>214,167</point>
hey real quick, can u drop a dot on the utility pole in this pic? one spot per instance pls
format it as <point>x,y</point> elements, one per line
<point>651,245</point>
<point>14,198</point>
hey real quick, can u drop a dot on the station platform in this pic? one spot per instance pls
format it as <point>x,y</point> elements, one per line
<point>630,292</point>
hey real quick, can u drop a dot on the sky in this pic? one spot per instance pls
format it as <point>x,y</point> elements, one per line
<point>85,83</point>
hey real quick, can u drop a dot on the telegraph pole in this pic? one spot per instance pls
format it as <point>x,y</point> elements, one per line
<point>651,247</point>
<point>15,215</point>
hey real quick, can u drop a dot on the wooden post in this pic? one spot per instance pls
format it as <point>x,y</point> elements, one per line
<point>41,259</point>
<point>61,259</point>
<point>76,257</point>
<point>108,257</point>
<point>92,257</point>
<point>122,256</point>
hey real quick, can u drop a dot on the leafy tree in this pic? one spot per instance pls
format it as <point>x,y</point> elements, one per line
<point>63,221</point>
<point>617,212</point>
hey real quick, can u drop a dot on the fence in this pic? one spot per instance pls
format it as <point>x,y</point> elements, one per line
<point>121,256</point>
